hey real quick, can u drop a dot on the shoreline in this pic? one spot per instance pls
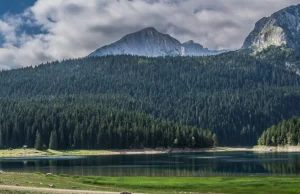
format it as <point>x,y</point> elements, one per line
<point>36,153</point>
<point>276,148</point>
<point>33,152</point>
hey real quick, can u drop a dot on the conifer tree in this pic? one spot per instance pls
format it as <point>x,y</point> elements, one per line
<point>38,141</point>
<point>53,140</point>
<point>215,139</point>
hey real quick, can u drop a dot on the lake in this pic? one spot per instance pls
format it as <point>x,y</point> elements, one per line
<point>186,165</point>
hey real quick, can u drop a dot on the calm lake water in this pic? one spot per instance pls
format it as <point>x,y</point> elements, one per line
<point>195,164</point>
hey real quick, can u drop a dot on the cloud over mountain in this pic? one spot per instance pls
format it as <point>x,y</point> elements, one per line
<point>58,29</point>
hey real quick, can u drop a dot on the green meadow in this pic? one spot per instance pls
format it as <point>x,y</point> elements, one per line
<point>166,185</point>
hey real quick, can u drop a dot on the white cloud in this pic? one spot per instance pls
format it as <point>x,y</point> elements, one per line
<point>74,28</point>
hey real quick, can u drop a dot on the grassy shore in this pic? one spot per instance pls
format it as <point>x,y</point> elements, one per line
<point>167,185</point>
<point>276,149</point>
<point>33,152</point>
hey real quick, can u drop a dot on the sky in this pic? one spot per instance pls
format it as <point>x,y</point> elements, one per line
<point>36,31</point>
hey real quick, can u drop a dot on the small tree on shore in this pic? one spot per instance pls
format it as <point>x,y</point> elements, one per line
<point>193,142</point>
<point>176,142</point>
<point>53,140</point>
<point>38,141</point>
<point>215,139</point>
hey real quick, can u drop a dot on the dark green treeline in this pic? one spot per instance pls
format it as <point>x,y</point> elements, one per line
<point>236,95</point>
<point>69,124</point>
<point>284,133</point>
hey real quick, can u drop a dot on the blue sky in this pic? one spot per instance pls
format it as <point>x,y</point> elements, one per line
<point>37,31</point>
<point>14,6</point>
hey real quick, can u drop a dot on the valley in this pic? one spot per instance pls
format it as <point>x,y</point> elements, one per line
<point>151,114</point>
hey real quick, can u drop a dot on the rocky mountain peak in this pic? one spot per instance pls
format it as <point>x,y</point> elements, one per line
<point>281,28</point>
<point>148,29</point>
<point>150,42</point>
<point>189,42</point>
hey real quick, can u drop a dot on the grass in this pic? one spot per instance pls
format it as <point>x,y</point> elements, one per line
<point>203,185</point>
<point>19,152</point>
<point>166,185</point>
<point>17,192</point>
<point>43,181</point>
<point>33,152</point>
<point>81,152</point>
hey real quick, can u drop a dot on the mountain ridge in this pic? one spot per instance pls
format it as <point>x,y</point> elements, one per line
<point>152,43</point>
<point>281,28</point>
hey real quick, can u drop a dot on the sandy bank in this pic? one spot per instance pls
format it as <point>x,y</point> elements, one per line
<point>32,152</point>
<point>276,149</point>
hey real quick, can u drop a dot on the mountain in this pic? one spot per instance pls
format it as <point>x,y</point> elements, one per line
<point>146,42</point>
<point>235,95</point>
<point>190,48</point>
<point>135,101</point>
<point>281,28</point>
<point>151,43</point>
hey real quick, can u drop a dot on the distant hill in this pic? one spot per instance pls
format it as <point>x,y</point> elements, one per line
<point>151,43</point>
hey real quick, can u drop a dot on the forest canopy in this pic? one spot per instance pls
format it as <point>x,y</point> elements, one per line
<point>282,134</point>
<point>236,95</point>
<point>58,124</point>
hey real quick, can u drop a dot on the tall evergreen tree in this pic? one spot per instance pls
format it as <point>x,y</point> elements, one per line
<point>215,139</point>
<point>53,140</point>
<point>1,139</point>
<point>38,141</point>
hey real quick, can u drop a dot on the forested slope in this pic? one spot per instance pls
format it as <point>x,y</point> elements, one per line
<point>63,123</point>
<point>237,95</point>
<point>284,133</point>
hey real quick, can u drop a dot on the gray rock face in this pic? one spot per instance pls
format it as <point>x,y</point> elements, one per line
<point>194,49</point>
<point>151,43</point>
<point>281,28</point>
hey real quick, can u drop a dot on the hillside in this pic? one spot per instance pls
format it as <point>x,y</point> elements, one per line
<point>237,95</point>
<point>282,134</point>
<point>75,123</point>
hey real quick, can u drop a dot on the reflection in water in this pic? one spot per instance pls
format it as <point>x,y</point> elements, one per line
<point>195,164</point>
<point>290,163</point>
